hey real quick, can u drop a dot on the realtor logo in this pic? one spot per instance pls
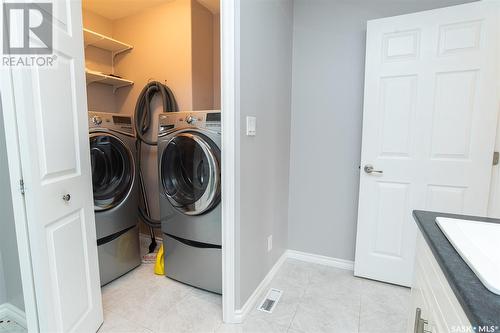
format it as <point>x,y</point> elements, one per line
<point>27,28</point>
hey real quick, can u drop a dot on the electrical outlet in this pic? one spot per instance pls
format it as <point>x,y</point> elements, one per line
<point>269,243</point>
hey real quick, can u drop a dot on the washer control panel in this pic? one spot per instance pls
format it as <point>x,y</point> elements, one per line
<point>201,119</point>
<point>112,121</point>
<point>96,120</point>
<point>191,119</point>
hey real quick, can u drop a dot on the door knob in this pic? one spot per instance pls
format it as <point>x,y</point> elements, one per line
<point>369,169</point>
<point>66,197</point>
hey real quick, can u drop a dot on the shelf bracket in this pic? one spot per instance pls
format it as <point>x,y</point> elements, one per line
<point>115,54</point>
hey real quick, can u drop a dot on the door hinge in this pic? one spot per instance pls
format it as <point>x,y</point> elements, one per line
<point>496,157</point>
<point>21,186</point>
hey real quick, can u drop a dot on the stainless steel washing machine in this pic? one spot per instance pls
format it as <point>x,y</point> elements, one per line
<point>115,187</point>
<point>189,164</point>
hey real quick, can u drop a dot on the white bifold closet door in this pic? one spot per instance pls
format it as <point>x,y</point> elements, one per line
<point>51,110</point>
<point>429,126</point>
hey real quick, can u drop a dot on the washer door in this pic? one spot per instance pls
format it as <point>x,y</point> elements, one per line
<point>190,172</point>
<point>112,170</point>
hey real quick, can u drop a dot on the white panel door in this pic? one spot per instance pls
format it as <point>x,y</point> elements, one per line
<point>52,118</point>
<point>429,124</point>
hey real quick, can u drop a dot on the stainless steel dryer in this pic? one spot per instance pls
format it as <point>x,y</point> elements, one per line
<point>189,164</point>
<point>115,187</point>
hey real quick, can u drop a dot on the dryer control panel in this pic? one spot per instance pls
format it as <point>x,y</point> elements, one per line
<point>201,119</point>
<point>112,121</point>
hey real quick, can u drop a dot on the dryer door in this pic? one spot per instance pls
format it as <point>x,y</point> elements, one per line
<point>112,170</point>
<point>190,172</point>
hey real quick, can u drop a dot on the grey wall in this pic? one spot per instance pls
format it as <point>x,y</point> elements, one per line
<point>3,292</point>
<point>9,268</point>
<point>265,88</point>
<point>328,74</point>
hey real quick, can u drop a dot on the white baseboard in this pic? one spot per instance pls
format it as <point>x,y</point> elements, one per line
<point>14,313</point>
<point>240,314</point>
<point>322,260</point>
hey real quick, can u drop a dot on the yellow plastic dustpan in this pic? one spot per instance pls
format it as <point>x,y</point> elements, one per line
<point>160,263</point>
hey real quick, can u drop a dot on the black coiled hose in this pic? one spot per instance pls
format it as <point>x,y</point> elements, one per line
<point>143,121</point>
<point>142,111</point>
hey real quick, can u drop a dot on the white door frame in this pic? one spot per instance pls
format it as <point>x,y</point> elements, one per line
<point>493,206</point>
<point>18,204</point>
<point>230,156</point>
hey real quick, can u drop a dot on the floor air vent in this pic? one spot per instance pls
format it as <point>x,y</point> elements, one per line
<point>10,326</point>
<point>270,301</point>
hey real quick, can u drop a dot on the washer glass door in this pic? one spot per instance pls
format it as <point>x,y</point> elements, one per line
<point>112,170</point>
<point>190,172</point>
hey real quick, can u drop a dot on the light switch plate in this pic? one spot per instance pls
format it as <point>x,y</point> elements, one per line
<point>251,125</point>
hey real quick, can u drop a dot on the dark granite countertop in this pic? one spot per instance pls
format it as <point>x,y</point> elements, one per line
<point>481,306</point>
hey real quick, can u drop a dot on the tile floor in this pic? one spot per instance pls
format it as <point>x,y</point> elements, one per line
<point>315,299</point>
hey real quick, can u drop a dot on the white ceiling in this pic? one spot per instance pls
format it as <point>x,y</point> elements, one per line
<point>116,9</point>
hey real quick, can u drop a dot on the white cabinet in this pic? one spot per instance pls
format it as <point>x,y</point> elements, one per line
<point>434,306</point>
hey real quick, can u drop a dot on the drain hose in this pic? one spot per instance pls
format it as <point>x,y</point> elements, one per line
<point>142,123</point>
